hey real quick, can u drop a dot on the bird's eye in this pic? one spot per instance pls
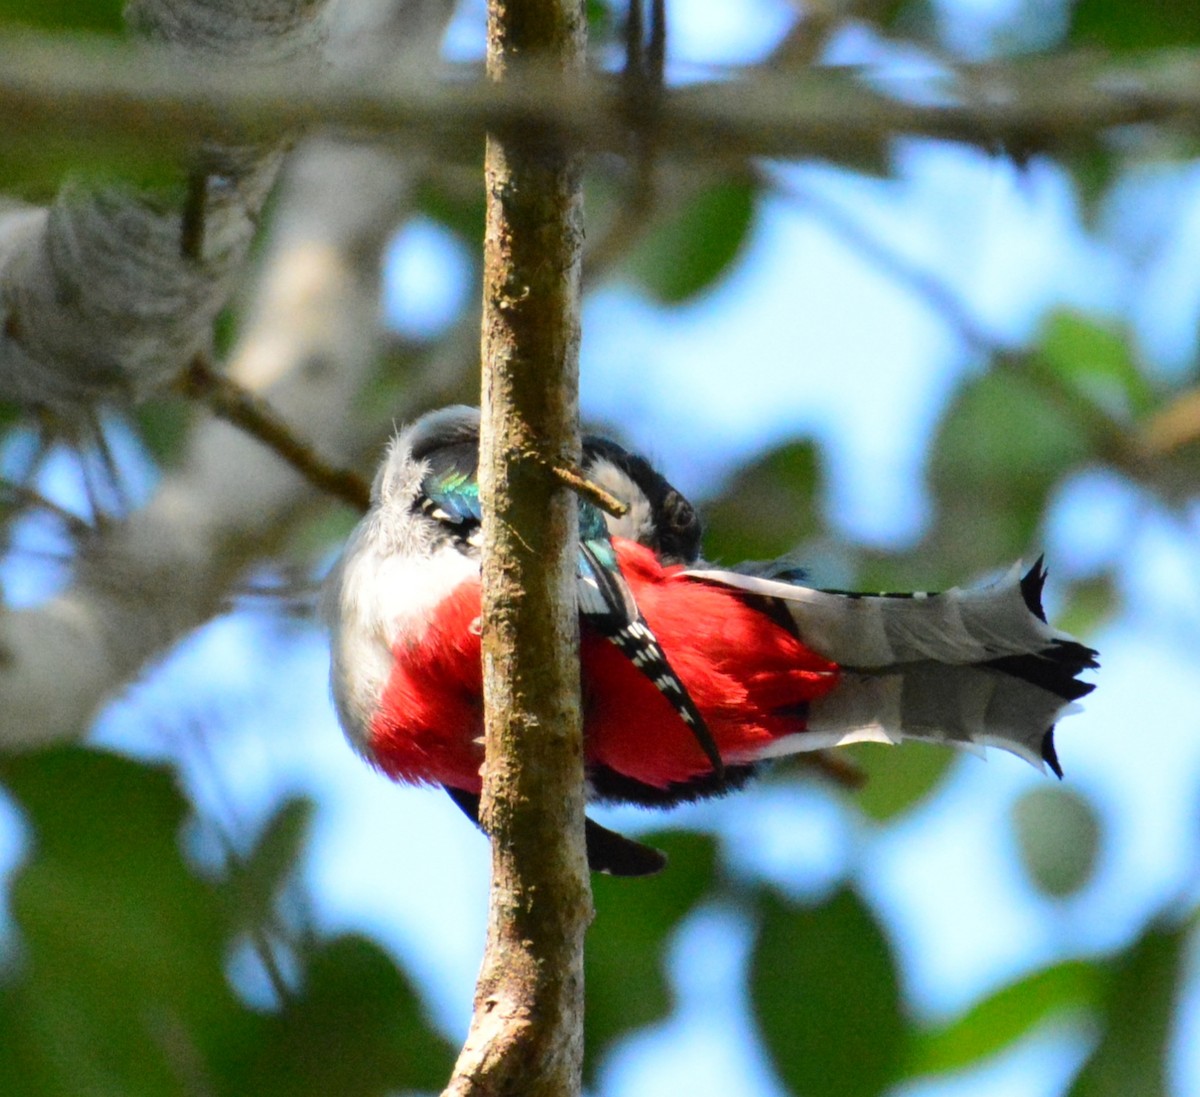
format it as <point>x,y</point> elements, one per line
<point>679,511</point>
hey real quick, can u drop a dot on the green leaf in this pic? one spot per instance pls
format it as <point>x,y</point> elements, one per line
<point>122,945</point>
<point>690,249</point>
<point>906,18</point>
<point>1058,836</point>
<point>824,988</point>
<point>461,210</point>
<point>35,164</point>
<point>626,983</point>
<point>1135,24</point>
<point>1003,1018</point>
<point>897,779</point>
<point>357,1027</point>
<point>163,426</point>
<point>65,15</point>
<point>1002,446</point>
<point>1138,1019</point>
<point>601,19</point>
<point>768,506</point>
<point>256,882</point>
<point>1097,361</point>
<point>1088,604</point>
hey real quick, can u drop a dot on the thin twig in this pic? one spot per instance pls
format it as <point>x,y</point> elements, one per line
<point>1107,435</point>
<point>89,93</point>
<point>574,477</point>
<point>237,405</point>
<point>642,80</point>
<point>837,767</point>
<point>111,471</point>
<point>1172,427</point>
<point>24,497</point>
<point>194,216</point>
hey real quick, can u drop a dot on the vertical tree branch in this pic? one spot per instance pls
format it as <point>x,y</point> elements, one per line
<point>526,1035</point>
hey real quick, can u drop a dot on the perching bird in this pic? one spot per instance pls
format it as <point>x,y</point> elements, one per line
<point>692,675</point>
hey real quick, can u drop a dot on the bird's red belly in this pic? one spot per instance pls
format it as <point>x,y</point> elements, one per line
<point>749,677</point>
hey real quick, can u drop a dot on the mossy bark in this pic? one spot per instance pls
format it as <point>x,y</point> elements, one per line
<point>526,1036</point>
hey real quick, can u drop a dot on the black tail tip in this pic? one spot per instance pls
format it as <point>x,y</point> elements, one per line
<point>1032,583</point>
<point>1050,755</point>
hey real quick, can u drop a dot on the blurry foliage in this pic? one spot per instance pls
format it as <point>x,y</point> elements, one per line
<point>1058,836</point>
<point>897,780</point>
<point>1062,990</point>
<point>827,996</point>
<point>768,507</point>
<point>1003,445</point>
<point>69,15</point>
<point>115,980</point>
<point>1136,26</point>
<point>1137,1017</point>
<point>690,248</point>
<point>625,974</point>
<point>119,983</point>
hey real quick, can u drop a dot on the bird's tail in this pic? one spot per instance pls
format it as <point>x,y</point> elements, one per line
<point>962,667</point>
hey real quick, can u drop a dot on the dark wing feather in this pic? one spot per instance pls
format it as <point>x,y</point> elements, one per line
<point>607,851</point>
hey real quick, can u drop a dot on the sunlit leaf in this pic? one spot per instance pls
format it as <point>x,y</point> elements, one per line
<point>1096,360</point>
<point>897,778</point>
<point>825,995</point>
<point>1006,1016</point>
<point>1058,836</point>
<point>1134,24</point>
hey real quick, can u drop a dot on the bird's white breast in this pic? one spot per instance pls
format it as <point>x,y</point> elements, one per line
<point>375,599</point>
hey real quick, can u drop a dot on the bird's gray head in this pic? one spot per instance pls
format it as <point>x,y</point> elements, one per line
<point>398,480</point>
<point>659,516</point>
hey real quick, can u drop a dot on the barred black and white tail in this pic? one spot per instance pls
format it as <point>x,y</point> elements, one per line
<point>977,666</point>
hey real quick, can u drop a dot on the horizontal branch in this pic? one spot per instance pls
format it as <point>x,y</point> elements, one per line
<point>136,98</point>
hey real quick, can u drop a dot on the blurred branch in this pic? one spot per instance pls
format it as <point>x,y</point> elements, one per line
<point>249,411</point>
<point>642,80</point>
<point>1111,438</point>
<point>107,293</point>
<point>309,342</point>
<point>92,92</point>
<point>1173,427</point>
<point>21,497</point>
<point>923,283</point>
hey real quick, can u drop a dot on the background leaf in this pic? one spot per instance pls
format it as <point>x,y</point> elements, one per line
<point>690,249</point>
<point>1000,1020</point>
<point>826,998</point>
<point>1137,1020</point>
<point>624,974</point>
<point>1058,836</point>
